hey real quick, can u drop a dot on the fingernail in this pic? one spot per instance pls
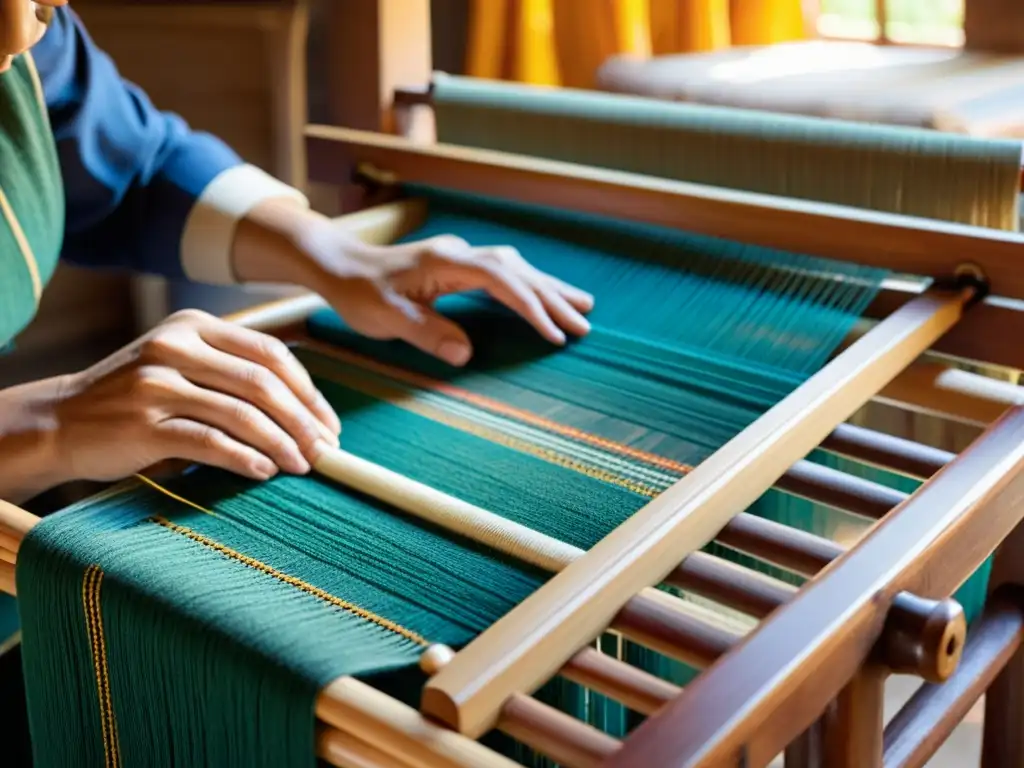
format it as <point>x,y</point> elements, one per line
<point>454,352</point>
<point>299,464</point>
<point>320,448</point>
<point>327,434</point>
<point>264,469</point>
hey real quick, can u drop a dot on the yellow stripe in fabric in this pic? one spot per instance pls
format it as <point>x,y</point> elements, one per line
<point>23,246</point>
<point>489,404</point>
<point>401,399</point>
<point>91,585</point>
<point>309,589</point>
<point>156,486</point>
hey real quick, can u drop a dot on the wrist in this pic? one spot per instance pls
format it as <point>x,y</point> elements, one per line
<point>272,244</point>
<point>31,457</point>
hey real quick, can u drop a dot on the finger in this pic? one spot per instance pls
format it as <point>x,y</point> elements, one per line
<point>203,444</point>
<point>577,297</point>
<point>424,328</point>
<point>244,422</point>
<point>243,379</point>
<point>563,312</point>
<point>515,294</point>
<point>273,354</point>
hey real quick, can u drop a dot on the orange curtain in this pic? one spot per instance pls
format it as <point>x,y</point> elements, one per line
<point>563,42</point>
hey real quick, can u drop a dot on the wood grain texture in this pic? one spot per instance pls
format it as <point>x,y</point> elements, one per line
<point>533,640</point>
<point>775,684</point>
<point>852,725</point>
<point>923,724</point>
<point>900,243</point>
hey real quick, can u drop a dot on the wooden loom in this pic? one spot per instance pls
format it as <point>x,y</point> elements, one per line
<point>809,679</point>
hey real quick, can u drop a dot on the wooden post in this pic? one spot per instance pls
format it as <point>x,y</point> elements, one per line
<point>1003,740</point>
<point>375,46</point>
<point>853,725</point>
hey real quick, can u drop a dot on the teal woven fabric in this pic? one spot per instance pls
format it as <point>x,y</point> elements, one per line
<point>917,172</point>
<point>164,633</point>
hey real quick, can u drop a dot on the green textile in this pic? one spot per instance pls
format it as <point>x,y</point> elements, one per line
<point>916,172</point>
<point>31,187</point>
<point>202,639</point>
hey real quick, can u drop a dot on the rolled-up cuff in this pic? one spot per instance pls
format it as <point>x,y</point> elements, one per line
<point>209,233</point>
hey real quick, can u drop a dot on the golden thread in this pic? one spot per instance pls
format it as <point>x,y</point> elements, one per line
<point>495,406</point>
<point>91,585</point>
<point>402,400</point>
<point>309,589</point>
<point>156,486</point>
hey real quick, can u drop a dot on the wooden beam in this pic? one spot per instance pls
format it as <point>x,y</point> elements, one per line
<point>787,671</point>
<point>524,648</point>
<point>900,243</point>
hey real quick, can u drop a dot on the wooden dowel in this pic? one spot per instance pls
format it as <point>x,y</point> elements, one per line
<point>561,737</point>
<point>638,690</point>
<point>731,585</point>
<point>399,731</point>
<point>886,451</point>
<point>15,523</point>
<point>823,636</point>
<point>797,551</point>
<point>654,620</point>
<point>343,750</point>
<point>837,489</point>
<point>917,731</point>
<point>546,730</point>
<point>939,389</point>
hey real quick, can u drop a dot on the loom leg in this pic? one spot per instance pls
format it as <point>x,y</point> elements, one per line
<point>806,751</point>
<point>853,725</point>
<point>1003,739</point>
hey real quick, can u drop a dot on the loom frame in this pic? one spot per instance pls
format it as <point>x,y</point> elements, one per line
<point>350,711</point>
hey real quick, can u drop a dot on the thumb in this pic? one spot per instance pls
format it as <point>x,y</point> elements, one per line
<point>428,331</point>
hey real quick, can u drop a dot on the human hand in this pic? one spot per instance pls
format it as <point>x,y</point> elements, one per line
<point>387,292</point>
<point>195,388</point>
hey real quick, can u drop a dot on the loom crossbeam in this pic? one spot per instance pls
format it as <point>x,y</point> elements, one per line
<point>770,670</point>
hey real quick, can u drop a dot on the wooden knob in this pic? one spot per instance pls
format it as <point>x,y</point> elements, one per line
<point>924,637</point>
<point>435,658</point>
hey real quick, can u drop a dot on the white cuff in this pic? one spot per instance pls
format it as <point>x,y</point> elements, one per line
<point>209,232</point>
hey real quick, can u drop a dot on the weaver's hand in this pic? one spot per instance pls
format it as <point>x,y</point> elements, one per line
<point>194,388</point>
<point>386,292</point>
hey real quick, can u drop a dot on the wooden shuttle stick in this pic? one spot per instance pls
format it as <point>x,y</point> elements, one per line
<point>533,640</point>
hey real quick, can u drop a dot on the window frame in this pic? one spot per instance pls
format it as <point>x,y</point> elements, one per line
<point>812,11</point>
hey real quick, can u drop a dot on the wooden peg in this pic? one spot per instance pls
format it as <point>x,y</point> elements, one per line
<point>924,637</point>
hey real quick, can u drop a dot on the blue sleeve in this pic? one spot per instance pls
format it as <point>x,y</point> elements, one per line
<point>131,173</point>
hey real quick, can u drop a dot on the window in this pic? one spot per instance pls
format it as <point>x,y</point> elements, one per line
<point>910,22</point>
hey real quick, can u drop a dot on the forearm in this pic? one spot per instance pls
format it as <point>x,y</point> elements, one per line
<point>29,449</point>
<point>272,245</point>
